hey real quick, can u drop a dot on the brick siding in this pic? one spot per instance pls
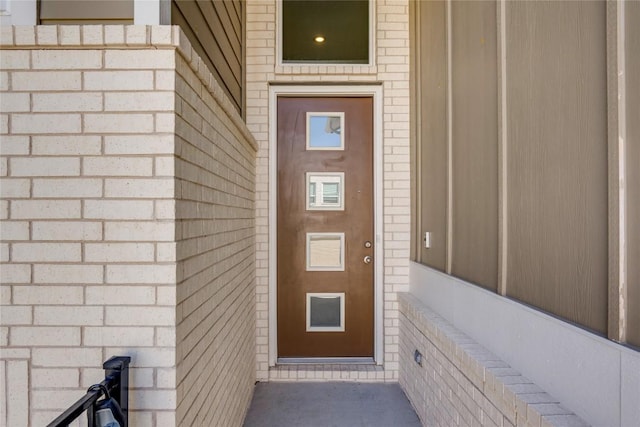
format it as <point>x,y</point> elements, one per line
<point>391,67</point>
<point>461,383</point>
<point>215,226</point>
<point>127,226</point>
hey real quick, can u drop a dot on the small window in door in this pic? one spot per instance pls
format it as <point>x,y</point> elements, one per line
<point>325,251</point>
<point>325,312</point>
<point>325,191</point>
<point>325,131</point>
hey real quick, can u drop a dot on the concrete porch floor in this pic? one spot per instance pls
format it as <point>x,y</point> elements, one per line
<point>334,404</point>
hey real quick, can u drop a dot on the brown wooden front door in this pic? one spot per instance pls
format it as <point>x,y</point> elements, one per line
<point>325,227</point>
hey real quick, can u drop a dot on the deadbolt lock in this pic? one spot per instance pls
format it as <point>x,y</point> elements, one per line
<point>367,244</point>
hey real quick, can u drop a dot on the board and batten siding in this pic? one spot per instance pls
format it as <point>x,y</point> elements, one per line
<point>86,12</point>
<point>474,146</point>
<point>430,78</point>
<point>512,101</point>
<point>557,158</point>
<point>215,29</point>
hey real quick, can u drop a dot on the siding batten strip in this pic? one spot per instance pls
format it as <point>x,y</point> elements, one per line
<point>502,148</point>
<point>622,172</point>
<point>631,158</point>
<point>416,132</point>
<point>449,142</point>
<point>616,140</point>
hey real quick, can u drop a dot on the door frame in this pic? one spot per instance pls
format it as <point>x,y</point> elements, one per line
<point>375,92</point>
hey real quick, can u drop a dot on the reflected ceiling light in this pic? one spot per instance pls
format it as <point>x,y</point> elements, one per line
<point>319,39</point>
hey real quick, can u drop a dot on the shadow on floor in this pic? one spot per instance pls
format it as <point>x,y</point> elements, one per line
<point>330,404</point>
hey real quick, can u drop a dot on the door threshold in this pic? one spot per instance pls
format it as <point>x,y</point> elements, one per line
<point>325,361</point>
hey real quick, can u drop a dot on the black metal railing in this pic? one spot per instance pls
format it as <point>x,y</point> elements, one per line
<point>115,385</point>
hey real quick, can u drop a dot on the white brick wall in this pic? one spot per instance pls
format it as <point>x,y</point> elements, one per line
<point>215,253</point>
<point>461,383</point>
<point>14,396</point>
<point>113,229</point>
<point>56,186</point>
<point>391,67</point>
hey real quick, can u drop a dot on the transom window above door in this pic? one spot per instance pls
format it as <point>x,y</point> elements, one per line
<point>326,31</point>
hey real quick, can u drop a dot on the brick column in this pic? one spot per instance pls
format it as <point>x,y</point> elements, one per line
<point>113,227</point>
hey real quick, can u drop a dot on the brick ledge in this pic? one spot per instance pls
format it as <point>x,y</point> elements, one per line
<point>519,399</point>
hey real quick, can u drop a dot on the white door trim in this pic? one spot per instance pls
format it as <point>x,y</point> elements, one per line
<point>374,91</point>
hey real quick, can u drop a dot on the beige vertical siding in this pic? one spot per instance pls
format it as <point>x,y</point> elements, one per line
<point>557,158</point>
<point>86,12</point>
<point>633,169</point>
<point>475,142</point>
<point>215,30</point>
<point>432,130</point>
<point>554,196</point>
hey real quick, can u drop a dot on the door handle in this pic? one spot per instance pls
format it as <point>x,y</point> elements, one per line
<point>367,259</point>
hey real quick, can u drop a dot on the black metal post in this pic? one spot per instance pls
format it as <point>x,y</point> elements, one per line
<point>116,382</point>
<point>119,366</point>
<point>91,415</point>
